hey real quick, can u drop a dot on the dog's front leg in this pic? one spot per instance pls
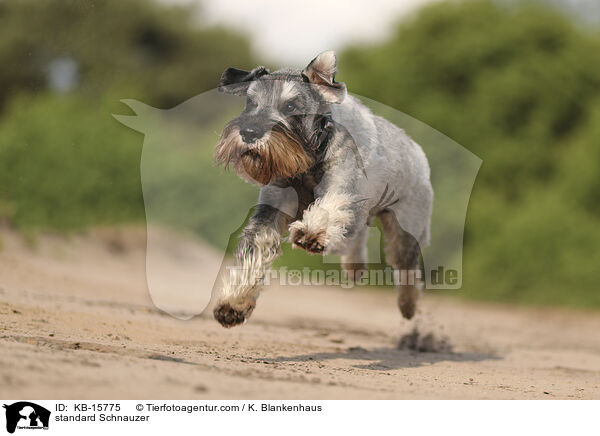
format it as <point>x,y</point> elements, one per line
<point>326,225</point>
<point>339,212</point>
<point>259,246</point>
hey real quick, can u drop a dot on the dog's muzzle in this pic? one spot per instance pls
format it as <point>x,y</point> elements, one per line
<point>251,134</point>
<point>261,156</point>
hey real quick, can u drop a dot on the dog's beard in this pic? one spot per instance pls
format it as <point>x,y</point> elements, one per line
<point>278,154</point>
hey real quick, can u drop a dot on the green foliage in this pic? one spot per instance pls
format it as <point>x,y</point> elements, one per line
<point>141,49</point>
<point>65,165</point>
<point>518,85</point>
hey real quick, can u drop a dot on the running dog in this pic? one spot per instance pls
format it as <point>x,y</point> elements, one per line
<point>327,166</point>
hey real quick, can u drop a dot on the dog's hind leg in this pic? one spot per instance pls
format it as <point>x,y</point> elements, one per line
<point>402,252</point>
<point>354,261</point>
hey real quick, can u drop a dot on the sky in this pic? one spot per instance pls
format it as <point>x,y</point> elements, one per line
<point>294,32</point>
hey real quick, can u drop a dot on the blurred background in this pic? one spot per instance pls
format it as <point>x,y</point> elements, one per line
<point>515,82</point>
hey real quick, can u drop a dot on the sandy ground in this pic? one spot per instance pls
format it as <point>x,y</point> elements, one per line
<point>76,321</point>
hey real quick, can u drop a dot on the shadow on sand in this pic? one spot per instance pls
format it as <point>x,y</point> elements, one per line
<point>413,349</point>
<point>384,359</point>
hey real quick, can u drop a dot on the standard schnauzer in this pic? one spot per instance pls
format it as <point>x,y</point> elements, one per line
<point>301,132</point>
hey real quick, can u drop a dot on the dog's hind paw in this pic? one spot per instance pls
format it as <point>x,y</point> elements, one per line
<point>407,300</point>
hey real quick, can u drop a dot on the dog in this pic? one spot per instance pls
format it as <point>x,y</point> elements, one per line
<point>327,167</point>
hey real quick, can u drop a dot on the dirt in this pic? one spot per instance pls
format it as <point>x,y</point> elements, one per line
<point>424,342</point>
<point>77,321</point>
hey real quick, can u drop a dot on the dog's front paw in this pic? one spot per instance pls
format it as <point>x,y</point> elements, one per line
<point>313,242</point>
<point>229,316</point>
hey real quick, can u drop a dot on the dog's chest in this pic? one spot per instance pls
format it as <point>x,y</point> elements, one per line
<point>305,185</point>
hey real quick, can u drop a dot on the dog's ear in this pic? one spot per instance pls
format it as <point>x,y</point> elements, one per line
<point>321,72</point>
<point>234,81</point>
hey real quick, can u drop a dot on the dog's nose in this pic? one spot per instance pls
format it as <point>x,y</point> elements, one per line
<point>250,134</point>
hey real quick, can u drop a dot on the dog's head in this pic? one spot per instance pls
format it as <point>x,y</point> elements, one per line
<point>279,133</point>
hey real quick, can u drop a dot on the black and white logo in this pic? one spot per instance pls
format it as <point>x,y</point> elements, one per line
<point>26,415</point>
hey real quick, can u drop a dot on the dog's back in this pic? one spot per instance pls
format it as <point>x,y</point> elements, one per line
<point>391,159</point>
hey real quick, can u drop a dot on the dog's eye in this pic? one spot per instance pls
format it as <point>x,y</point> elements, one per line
<point>290,106</point>
<point>250,104</point>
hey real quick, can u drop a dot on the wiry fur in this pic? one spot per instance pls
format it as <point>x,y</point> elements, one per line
<point>301,132</point>
<point>329,217</point>
<point>241,286</point>
<point>277,154</point>
<point>402,252</point>
<point>254,254</point>
<point>354,260</point>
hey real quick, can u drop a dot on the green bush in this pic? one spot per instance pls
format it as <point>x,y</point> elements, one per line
<point>518,85</point>
<point>141,49</point>
<point>66,163</point>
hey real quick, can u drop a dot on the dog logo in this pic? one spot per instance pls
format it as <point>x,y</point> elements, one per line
<point>26,415</point>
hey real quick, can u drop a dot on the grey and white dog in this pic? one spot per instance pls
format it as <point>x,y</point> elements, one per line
<point>327,167</point>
